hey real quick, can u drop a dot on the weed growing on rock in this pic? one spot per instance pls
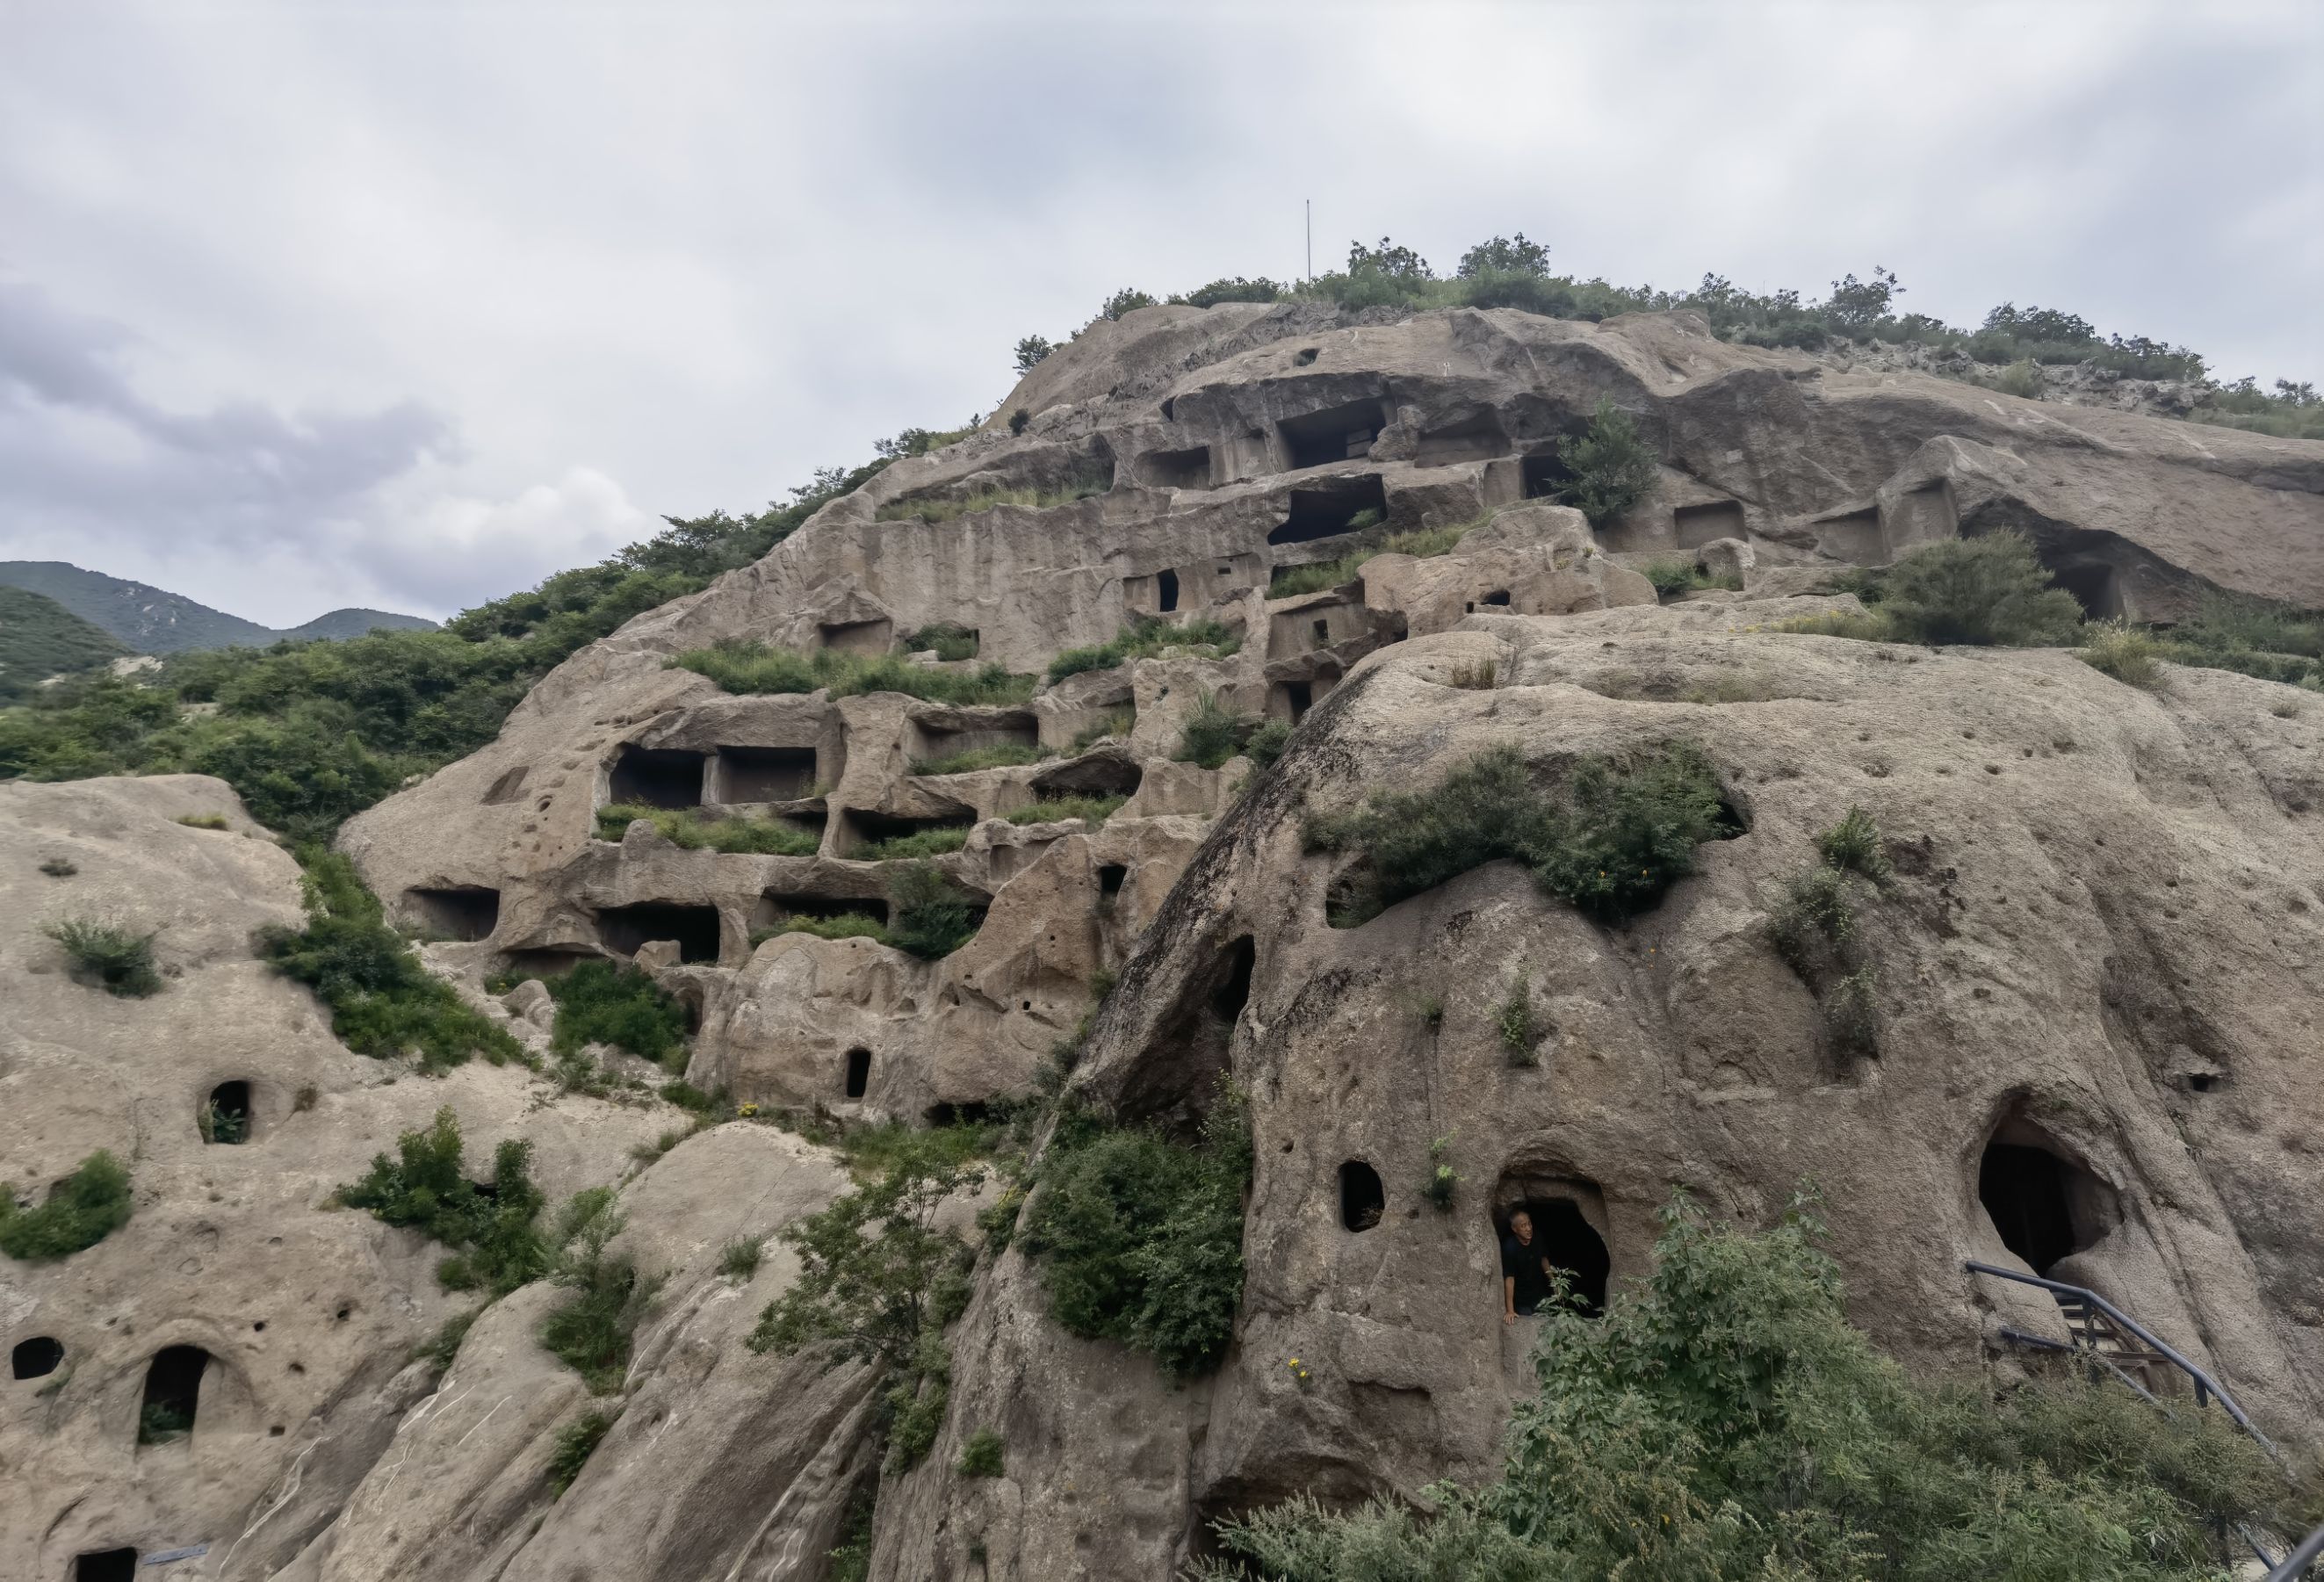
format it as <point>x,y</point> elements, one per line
<point>590,1331</point>
<point>738,1260</point>
<point>690,829</point>
<point>1815,931</point>
<point>576,1442</point>
<point>1008,754</point>
<point>1139,1236</point>
<point>80,1211</point>
<point>1095,809</point>
<point>1214,733</point>
<point>202,820</point>
<point>2125,652</point>
<point>439,1350</point>
<point>494,1246</point>
<point>599,1003</point>
<point>1145,637</point>
<point>59,868</point>
<point>1519,1027</point>
<point>1853,845</point>
<point>1266,744</point>
<point>107,956</point>
<point>847,925</point>
<point>948,640</point>
<point>1724,1420</point>
<point>1610,839</point>
<point>1442,1181</point>
<point>930,915</point>
<point>981,1455</point>
<point>920,843</point>
<point>755,668</point>
<point>1675,575</point>
<point>383,1003</point>
<point>1118,722</point>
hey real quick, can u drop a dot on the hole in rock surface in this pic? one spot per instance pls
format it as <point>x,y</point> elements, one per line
<point>1175,470</point>
<point>974,1112</point>
<point>1233,992</point>
<point>36,1358</point>
<point>465,911</point>
<point>1544,474</point>
<point>1110,877</point>
<point>173,1387</point>
<point>109,1565</point>
<point>654,777</point>
<point>1698,525</point>
<point>859,1072</point>
<point>1572,1246</point>
<point>1362,1198</point>
<point>1330,509</point>
<point>2043,1207</point>
<point>1334,434</point>
<point>507,788</point>
<point>1165,590</point>
<point>765,774</point>
<point>623,928</point>
<point>1499,596</point>
<point>229,1112</point>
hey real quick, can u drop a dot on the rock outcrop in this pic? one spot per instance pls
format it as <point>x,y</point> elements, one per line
<point>2093,956</point>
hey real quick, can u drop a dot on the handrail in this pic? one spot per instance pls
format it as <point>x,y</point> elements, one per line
<point>2161,1348</point>
<point>2295,1564</point>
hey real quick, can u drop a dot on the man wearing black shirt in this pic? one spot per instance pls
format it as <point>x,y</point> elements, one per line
<point>1525,1270</point>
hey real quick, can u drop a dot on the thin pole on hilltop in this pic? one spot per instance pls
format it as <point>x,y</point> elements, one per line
<point>1311,237</point>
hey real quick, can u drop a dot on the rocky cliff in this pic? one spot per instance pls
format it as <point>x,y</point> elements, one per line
<point>2088,1009</point>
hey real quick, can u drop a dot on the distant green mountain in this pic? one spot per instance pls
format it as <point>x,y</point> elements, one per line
<point>40,638</point>
<point>152,620</point>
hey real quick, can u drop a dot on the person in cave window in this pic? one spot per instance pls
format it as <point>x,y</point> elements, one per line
<point>1525,1282</point>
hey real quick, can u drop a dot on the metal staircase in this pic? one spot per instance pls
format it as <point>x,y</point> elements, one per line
<point>2105,1337</point>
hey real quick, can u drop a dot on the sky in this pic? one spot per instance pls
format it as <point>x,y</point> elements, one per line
<point>408,304</point>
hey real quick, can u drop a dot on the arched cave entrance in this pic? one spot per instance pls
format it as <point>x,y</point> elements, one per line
<point>1362,1198</point>
<point>2042,1205</point>
<point>36,1358</point>
<point>225,1113</point>
<point>859,1072</point>
<point>1569,1226</point>
<point>173,1387</point>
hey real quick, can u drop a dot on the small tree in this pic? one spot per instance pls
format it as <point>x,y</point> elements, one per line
<point>1505,256</point>
<point>1990,589</point>
<point>1128,300</point>
<point>1611,468</point>
<point>1031,350</point>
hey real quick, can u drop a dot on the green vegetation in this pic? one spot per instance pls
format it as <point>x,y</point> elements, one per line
<point>1610,839</point>
<point>981,1455</point>
<point>1144,637</point>
<point>575,1442</point>
<point>1139,1236</point>
<point>1815,929</point>
<point>163,1422</point>
<point>1008,754</point>
<point>598,1002</point>
<point>850,1557</point>
<point>1128,300</point>
<point>59,867</point>
<point>1443,1182</point>
<point>1213,733</point>
<point>1853,845</point>
<point>738,1259</point>
<point>1119,722</point>
<point>929,915</point>
<point>1608,468</point>
<point>40,638</point>
<point>879,1281</point>
<point>1676,575</point>
<point>1096,809</point>
<point>1029,353</point>
<point>1518,1023</point>
<point>847,925</point>
<point>383,1003</point>
<point>689,828</point>
<point>80,1211</point>
<point>202,820</point>
<point>753,667</point>
<point>221,1126</point>
<point>439,1349</point>
<point>1421,543</point>
<point>1988,590</point>
<point>919,843</point>
<point>590,1330</point>
<point>934,512</point>
<point>948,640</point>
<point>1723,1420</point>
<point>495,1245</point>
<point>107,956</point>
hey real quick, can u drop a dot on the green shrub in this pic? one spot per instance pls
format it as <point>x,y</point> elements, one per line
<point>1144,637</point>
<point>382,1001</point>
<point>1020,421</point>
<point>223,1126</point>
<point>2021,379</point>
<point>1860,625</point>
<point>1008,754</point>
<point>1442,1182</point>
<point>574,1443</point>
<point>919,843</point>
<point>879,1281</point>
<point>738,1259</point>
<point>1095,809</point>
<point>1818,913</point>
<point>690,829</point>
<point>59,867</point>
<point>107,956</point>
<point>951,641</point>
<point>202,820</point>
<point>981,1455</point>
<point>495,1243</point>
<point>850,1558</point>
<point>1029,353</point>
<point>1264,745</point>
<point>599,1003</point>
<point>1678,575</point>
<point>1128,300</point>
<point>1139,1237</point>
<point>755,668</point>
<point>929,915</point>
<point>163,1422</point>
<point>590,1330</point>
<point>1853,845</point>
<point>1989,590</point>
<point>1724,1420</point>
<point>1422,543</point>
<point>1610,840</point>
<point>80,1211</point>
<point>1519,1026</point>
<point>1609,467</point>
<point>847,925</point>
<point>1232,289</point>
<point>1213,733</point>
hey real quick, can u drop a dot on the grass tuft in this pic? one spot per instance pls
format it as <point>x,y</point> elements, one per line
<point>689,828</point>
<point>107,956</point>
<point>1145,637</point>
<point>755,668</point>
<point>80,1211</point>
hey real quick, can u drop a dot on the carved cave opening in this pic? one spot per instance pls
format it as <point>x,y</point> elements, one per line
<point>1331,509</point>
<point>36,1358</point>
<point>765,774</point>
<point>1362,1197</point>
<point>225,1117</point>
<point>2043,1205</point>
<point>623,928</point>
<point>656,777</point>
<point>173,1388</point>
<point>462,912</point>
<point>859,1072</point>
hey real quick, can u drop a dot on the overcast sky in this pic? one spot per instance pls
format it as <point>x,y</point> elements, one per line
<point>409,304</point>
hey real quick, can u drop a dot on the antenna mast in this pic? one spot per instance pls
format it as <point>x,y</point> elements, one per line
<point>1311,237</point>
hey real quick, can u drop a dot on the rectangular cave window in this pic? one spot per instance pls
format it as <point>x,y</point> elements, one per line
<point>1475,438</point>
<point>765,774</point>
<point>1499,596</point>
<point>870,828</point>
<point>875,636</point>
<point>859,1072</point>
<point>1175,470</point>
<point>623,928</point>
<point>2095,586</point>
<point>226,1115</point>
<point>1322,634</point>
<point>1334,434</point>
<point>1333,508</point>
<point>657,777</point>
<point>507,788</point>
<point>1111,876</point>
<point>1544,475</point>
<point>466,911</point>
<point>1855,536</point>
<point>1296,698</point>
<point>1698,525</point>
<point>106,1565</point>
<point>1165,591</point>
